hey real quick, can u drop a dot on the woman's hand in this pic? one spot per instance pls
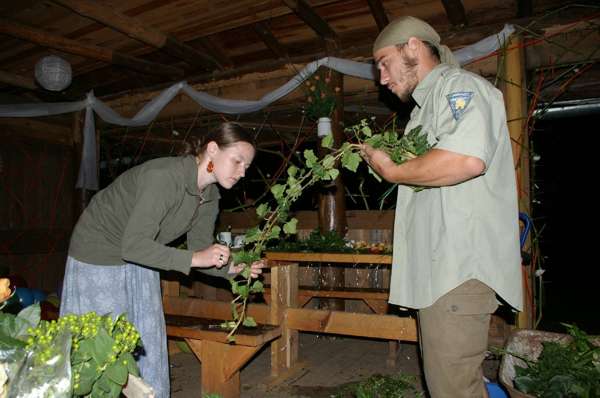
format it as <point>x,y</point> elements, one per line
<point>217,255</point>
<point>255,268</point>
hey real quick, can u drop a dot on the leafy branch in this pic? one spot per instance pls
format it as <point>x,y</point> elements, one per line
<point>275,222</point>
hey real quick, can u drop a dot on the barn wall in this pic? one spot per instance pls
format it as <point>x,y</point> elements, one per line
<point>36,209</point>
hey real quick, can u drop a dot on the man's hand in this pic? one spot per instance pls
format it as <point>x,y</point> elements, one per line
<point>377,159</point>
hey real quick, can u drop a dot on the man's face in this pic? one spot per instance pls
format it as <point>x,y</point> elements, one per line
<point>398,71</point>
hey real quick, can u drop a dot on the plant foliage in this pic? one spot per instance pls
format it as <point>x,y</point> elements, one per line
<point>274,220</point>
<point>563,370</point>
<point>382,386</point>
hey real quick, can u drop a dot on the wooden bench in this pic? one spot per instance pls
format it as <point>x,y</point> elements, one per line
<point>221,360</point>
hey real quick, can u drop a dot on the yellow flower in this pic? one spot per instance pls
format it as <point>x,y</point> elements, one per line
<point>5,291</point>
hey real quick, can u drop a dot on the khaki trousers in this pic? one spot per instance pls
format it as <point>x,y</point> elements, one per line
<point>453,338</point>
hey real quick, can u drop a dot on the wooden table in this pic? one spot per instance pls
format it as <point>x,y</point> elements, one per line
<point>221,361</point>
<point>285,297</point>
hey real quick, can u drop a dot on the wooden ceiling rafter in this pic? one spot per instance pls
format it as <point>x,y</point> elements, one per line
<point>379,14</point>
<point>310,17</point>
<point>63,44</point>
<point>17,80</point>
<point>216,52</point>
<point>135,29</point>
<point>455,12</point>
<point>270,40</point>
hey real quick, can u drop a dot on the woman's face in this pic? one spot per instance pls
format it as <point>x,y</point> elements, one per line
<point>231,162</point>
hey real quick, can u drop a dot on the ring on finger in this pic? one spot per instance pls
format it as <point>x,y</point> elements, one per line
<point>220,257</point>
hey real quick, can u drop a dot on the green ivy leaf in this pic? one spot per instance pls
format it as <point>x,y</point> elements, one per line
<point>310,157</point>
<point>249,322</point>
<point>328,161</point>
<point>234,286</point>
<point>292,171</point>
<point>327,141</point>
<point>253,234</point>
<point>262,209</point>
<point>275,232</point>
<point>257,287</point>
<point>127,359</point>
<point>333,173</point>
<point>87,377</point>
<point>351,160</point>
<point>117,372</point>
<point>277,190</point>
<point>290,226</point>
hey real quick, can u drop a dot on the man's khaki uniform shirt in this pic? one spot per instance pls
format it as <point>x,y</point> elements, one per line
<point>447,235</point>
<point>145,208</point>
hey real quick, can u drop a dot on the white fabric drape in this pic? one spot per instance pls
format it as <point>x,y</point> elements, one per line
<point>87,172</point>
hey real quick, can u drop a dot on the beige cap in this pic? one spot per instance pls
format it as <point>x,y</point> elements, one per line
<point>401,29</point>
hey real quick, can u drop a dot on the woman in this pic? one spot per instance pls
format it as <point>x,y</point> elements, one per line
<point>120,239</point>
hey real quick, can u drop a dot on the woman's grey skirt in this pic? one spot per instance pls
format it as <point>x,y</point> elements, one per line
<point>118,289</point>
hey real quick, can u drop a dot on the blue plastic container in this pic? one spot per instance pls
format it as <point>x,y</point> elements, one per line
<point>495,390</point>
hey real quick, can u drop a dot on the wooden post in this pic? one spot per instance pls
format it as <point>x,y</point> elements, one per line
<point>516,115</point>
<point>332,203</point>
<point>284,295</point>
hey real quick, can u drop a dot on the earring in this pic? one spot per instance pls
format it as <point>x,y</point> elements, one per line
<point>210,166</point>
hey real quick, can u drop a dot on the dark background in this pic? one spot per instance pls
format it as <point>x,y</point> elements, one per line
<point>564,214</point>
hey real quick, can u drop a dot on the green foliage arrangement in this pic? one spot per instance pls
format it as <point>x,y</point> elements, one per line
<point>327,242</point>
<point>382,386</point>
<point>98,348</point>
<point>563,370</point>
<point>274,219</point>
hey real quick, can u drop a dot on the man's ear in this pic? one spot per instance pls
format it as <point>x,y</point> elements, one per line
<point>413,44</point>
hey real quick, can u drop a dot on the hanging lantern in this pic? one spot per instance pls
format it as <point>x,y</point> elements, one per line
<point>53,73</point>
<point>323,126</point>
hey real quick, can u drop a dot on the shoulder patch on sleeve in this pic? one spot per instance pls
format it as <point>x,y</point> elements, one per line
<point>458,102</point>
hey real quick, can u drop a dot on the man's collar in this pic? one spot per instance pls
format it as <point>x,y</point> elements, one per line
<point>211,192</point>
<point>425,85</point>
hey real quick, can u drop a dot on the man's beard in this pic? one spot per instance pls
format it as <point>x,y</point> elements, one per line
<point>410,77</point>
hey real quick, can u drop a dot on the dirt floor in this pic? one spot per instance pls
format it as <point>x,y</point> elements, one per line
<point>326,366</point>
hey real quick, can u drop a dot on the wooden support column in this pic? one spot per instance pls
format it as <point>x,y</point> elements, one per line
<point>516,115</point>
<point>284,295</point>
<point>332,203</point>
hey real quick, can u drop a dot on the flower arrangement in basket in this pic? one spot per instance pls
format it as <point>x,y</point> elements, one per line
<point>320,97</point>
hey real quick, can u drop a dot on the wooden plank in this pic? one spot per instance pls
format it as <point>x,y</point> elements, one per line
<point>212,309</point>
<point>362,294</point>
<point>389,327</point>
<point>17,80</point>
<point>34,241</point>
<point>283,295</point>
<point>36,129</point>
<point>455,12</point>
<point>219,336</point>
<point>330,257</point>
<point>306,13</point>
<point>378,13</point>
<point>47,39</point>
<point>135,29</point>
<point>270,41</point>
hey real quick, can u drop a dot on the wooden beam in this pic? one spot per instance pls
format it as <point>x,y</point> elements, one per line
<point>211,309</point>
<point>306,13</point>
<point>389,327</point>
<point>379,14</point>
<point>270,41</point>
<point>524,8</point>
<point>133,28</point>
<point>17,80</point>
<point>34,128</point>
<point>47,39</point>
<point>455,12</point>
<point>216,52</point>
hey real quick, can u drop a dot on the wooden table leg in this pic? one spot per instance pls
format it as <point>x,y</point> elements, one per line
<point>284,294</point>
<point>221,364</point>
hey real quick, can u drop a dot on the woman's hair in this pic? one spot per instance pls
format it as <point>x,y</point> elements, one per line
<point>226,134</point>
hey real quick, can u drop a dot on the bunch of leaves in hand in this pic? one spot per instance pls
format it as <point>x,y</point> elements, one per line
<point>563,370</point>
<point>275,222</point>
<point>400,148</point>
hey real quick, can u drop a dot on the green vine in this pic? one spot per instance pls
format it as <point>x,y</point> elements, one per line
<point>275,222</point>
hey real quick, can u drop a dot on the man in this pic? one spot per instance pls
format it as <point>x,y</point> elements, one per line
<point>456,242</point>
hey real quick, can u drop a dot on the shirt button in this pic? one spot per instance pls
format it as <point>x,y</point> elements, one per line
<point>454,308</point>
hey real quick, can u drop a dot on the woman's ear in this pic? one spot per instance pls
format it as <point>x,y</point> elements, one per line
<point>212,148</point>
